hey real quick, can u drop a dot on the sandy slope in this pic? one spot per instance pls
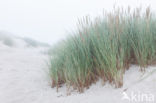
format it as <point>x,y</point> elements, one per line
<point>23,79</point>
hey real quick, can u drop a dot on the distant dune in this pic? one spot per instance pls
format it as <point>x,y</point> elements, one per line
<point>12,40</point>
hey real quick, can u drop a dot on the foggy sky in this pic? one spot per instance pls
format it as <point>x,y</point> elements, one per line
<point>51,20</point>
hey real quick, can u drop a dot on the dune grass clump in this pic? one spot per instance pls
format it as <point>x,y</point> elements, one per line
<point>6,40</point>
<point>104,48</point>
<point>33,43</point>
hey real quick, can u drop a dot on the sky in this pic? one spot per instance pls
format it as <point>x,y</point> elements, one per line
<point>52,20</point>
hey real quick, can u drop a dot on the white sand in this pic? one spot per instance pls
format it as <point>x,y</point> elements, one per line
<point>23,79</point>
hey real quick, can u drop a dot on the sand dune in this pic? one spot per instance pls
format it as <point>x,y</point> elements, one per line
<point>24,79</point>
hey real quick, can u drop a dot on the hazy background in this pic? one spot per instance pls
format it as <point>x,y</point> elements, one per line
<point>50,20</point>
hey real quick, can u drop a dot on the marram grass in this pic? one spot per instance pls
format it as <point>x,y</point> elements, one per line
<point>104,49</point>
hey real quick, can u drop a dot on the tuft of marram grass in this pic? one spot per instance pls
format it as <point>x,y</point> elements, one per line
<point>6,40</point>
<point>104,48</point>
